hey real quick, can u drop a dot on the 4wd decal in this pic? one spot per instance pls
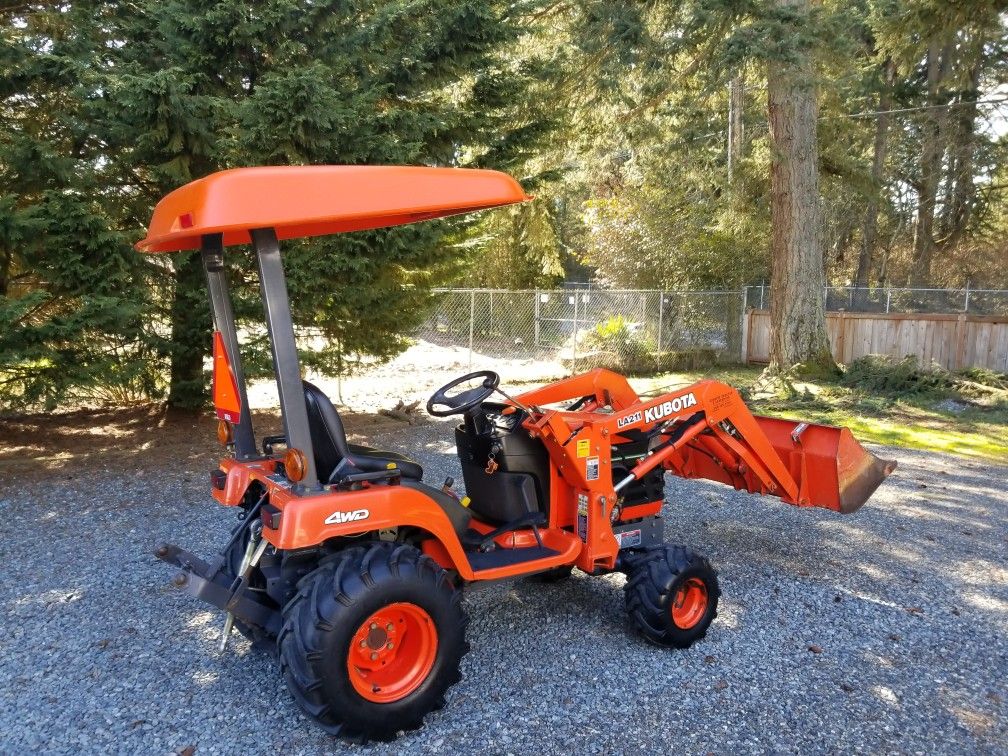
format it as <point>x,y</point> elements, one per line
<point>671,407</point>
<point>338,518</point>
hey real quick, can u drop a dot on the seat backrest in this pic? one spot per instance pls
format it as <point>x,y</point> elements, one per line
<point>327,432</point>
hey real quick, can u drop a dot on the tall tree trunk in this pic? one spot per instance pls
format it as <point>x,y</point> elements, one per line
<point>797,310</point>
<point>736,100</point>
<point>869,232</point>
<point>961,189</point>
<point>6,261</point>
<point>938,61</point>
<point>190,323</point>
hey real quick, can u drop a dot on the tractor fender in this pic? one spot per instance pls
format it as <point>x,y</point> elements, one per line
<point>239,476</point>
<point>307,521</point>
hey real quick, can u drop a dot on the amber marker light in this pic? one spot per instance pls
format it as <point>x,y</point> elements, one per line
<point>295,464</point>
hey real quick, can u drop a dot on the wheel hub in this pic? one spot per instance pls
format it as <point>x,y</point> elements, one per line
<point>689,603</point>
<point>392,652</point>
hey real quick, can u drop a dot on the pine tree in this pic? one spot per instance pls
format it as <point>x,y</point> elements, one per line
<point>71,291</point>
<point>146,96</point>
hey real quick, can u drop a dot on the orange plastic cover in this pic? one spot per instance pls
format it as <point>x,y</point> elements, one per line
<point>299,201</point>
<point>225,387</point>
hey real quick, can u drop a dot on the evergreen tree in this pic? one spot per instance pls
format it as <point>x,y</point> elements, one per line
<point>72,295</point>
<point>161,93</point>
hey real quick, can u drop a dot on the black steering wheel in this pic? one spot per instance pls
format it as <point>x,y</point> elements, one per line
<point>464,400</point>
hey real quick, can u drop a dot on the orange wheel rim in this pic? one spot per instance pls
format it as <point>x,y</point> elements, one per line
<point>689,604</point>
<point>392,652</point>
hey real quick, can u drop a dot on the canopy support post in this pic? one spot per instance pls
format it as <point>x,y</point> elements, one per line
<point>212,251</point>
<point>286,365</point>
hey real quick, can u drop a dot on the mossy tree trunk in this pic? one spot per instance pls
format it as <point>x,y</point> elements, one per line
<point>797,307</point>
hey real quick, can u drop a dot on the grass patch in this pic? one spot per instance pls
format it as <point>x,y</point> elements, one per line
<point>893,402</point>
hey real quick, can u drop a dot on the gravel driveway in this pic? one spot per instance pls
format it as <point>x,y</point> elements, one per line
<point>886,630</point>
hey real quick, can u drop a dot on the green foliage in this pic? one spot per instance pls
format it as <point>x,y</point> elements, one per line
<point>514,248</point>
<point>904,378</point>
<point>107,106</point>
<point>615,344</point>
<point>986,378</point>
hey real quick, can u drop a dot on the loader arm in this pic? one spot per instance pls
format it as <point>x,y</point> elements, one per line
<point>706,431</point>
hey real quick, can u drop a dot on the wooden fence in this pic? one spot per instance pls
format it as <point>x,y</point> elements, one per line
<point>955,342</point>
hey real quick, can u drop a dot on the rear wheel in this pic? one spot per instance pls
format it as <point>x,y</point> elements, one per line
<point>372,640</point>
<point>671,595</point>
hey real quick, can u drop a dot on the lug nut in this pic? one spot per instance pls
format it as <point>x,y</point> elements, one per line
<point>389,627</point>
<point>389,645</point>
<point>374,655</point>
<point>180,580</point>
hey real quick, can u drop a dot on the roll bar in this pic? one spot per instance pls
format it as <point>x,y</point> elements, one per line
<point>283,346</point>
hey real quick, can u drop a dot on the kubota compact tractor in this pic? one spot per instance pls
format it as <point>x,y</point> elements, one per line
<point>348,565</point>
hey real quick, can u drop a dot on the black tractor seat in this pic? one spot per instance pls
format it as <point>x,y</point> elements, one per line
<point>331,447</point>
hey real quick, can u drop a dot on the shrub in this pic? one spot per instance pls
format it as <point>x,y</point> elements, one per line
<point>616,344</point>
<point>876,374</point>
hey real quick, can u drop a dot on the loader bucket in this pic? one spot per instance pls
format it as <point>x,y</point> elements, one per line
<point>831,468</point>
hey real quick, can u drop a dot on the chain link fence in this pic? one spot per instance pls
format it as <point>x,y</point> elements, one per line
<point>889,300</point>
<point>629,330</point>
<point>645,330</point>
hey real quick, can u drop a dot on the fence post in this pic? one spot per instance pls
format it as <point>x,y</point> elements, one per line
<point>577,296</point>
<point>744,347</point>
<point>762,286</point>
<point>490,329</point>
<point>472,323</point>
<point>888,297</point>
<point>661,320</point>
<point>536,293</point>
<point>966,302</point>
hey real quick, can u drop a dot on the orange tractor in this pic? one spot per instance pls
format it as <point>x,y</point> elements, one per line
<point>348,566</point>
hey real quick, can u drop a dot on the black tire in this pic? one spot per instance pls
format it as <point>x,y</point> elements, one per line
<point>261,638</point>
<point>654,579</point>
<point>330,606</point>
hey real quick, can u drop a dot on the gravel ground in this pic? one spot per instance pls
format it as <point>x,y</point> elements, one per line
<point>886,630</point>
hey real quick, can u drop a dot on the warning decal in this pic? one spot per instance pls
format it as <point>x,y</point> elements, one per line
<point>582,518</point>
<point>591,468</point>
<point>628,538</point>
<point>584,447</point>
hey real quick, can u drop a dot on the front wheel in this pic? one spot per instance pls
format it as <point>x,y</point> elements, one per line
<point>372,640</point>
<point>671,595</point>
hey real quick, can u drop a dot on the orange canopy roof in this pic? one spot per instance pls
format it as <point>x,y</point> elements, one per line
<point>300,201</point>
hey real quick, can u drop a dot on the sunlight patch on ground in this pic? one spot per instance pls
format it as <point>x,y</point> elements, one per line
<point>48,598</point>
<point>729,616</point>
<point>983,572</point>
<point>204,677</point>
<point>885,694</point>
<point>977,722</point>
<point>987,602</point>
<point>861,596</point>
<point>201,619</point>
